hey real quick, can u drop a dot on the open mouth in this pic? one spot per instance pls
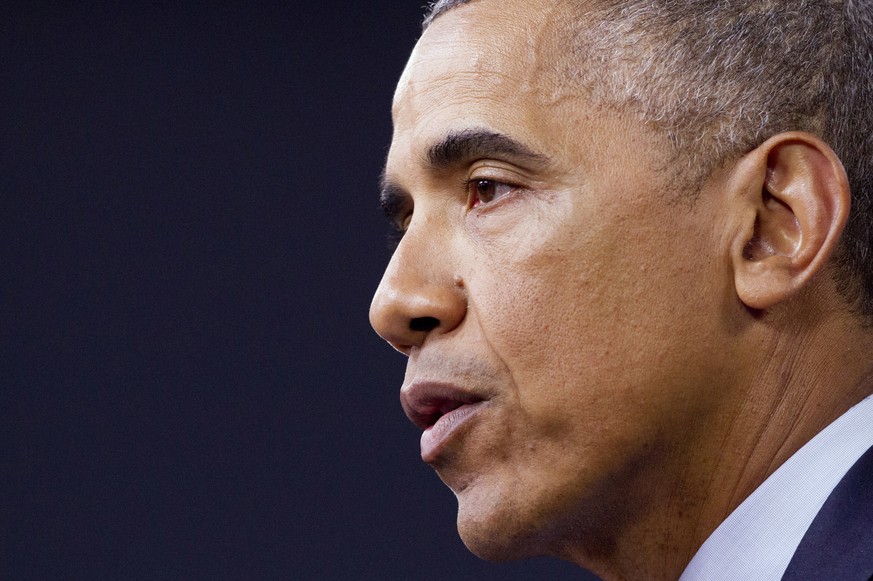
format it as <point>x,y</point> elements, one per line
<point>426,403</point>
<point>439,409</point>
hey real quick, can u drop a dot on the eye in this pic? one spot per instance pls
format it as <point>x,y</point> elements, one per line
<point>398,229</point>
<point>483,191</point>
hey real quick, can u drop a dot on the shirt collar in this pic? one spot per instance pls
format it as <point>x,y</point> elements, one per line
<point>758,539</point>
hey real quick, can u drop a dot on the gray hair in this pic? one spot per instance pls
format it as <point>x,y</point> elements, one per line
<point>719,77</point>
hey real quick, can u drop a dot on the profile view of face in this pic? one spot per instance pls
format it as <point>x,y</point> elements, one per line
<point>552,297</point>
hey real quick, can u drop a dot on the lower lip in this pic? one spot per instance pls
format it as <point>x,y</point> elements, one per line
<point>435,438</point>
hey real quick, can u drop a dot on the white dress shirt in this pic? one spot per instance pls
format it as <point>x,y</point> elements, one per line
<point>758,539</point>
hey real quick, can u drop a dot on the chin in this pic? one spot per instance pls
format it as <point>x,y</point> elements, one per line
<point>495,530</point>
<point>492,545</point>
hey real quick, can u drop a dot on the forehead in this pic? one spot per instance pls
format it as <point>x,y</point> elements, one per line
<point>487,63</point>
<point>485,36</point>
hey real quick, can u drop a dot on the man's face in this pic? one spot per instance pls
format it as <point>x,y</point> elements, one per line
<point>552,296</point>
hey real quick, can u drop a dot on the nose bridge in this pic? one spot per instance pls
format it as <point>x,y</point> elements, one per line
<point>419,294</point>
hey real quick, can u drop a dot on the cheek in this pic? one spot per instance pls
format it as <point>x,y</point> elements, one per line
<point>574,305</point>
<point>543,289</point>
<point>543,269</point>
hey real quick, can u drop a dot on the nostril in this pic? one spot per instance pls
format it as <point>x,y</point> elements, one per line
<point>423,324</point>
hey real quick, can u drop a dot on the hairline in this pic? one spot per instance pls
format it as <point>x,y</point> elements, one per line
<point>436,9</point>
<point>682,177</point>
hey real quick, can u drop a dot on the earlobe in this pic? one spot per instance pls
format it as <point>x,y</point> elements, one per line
<point>794,204</point>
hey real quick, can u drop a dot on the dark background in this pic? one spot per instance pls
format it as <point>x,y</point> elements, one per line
<point>190,239</point>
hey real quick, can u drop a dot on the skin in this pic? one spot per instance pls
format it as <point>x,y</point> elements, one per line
<point>634,351</point>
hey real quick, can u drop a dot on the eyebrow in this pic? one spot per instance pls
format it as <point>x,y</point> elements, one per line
<point>460,146</point>
<point>455,148</point>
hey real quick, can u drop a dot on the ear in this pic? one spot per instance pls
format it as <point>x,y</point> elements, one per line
<point>793,202</point>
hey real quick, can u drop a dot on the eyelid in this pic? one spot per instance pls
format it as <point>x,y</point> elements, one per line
<point>499,175</point>
<point>486,169</point>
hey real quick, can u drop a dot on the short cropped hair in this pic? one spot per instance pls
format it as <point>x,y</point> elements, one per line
<point>719,77</point>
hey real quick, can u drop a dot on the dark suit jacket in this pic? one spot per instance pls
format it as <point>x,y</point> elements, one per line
<point>839,543</point>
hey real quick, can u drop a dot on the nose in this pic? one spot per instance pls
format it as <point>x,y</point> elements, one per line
<point>418,296</point>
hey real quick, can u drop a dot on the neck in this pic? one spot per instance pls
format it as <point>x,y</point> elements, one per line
<point>800,379</point>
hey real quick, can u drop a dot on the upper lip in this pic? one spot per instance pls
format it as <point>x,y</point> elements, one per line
<point>425,401</point>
